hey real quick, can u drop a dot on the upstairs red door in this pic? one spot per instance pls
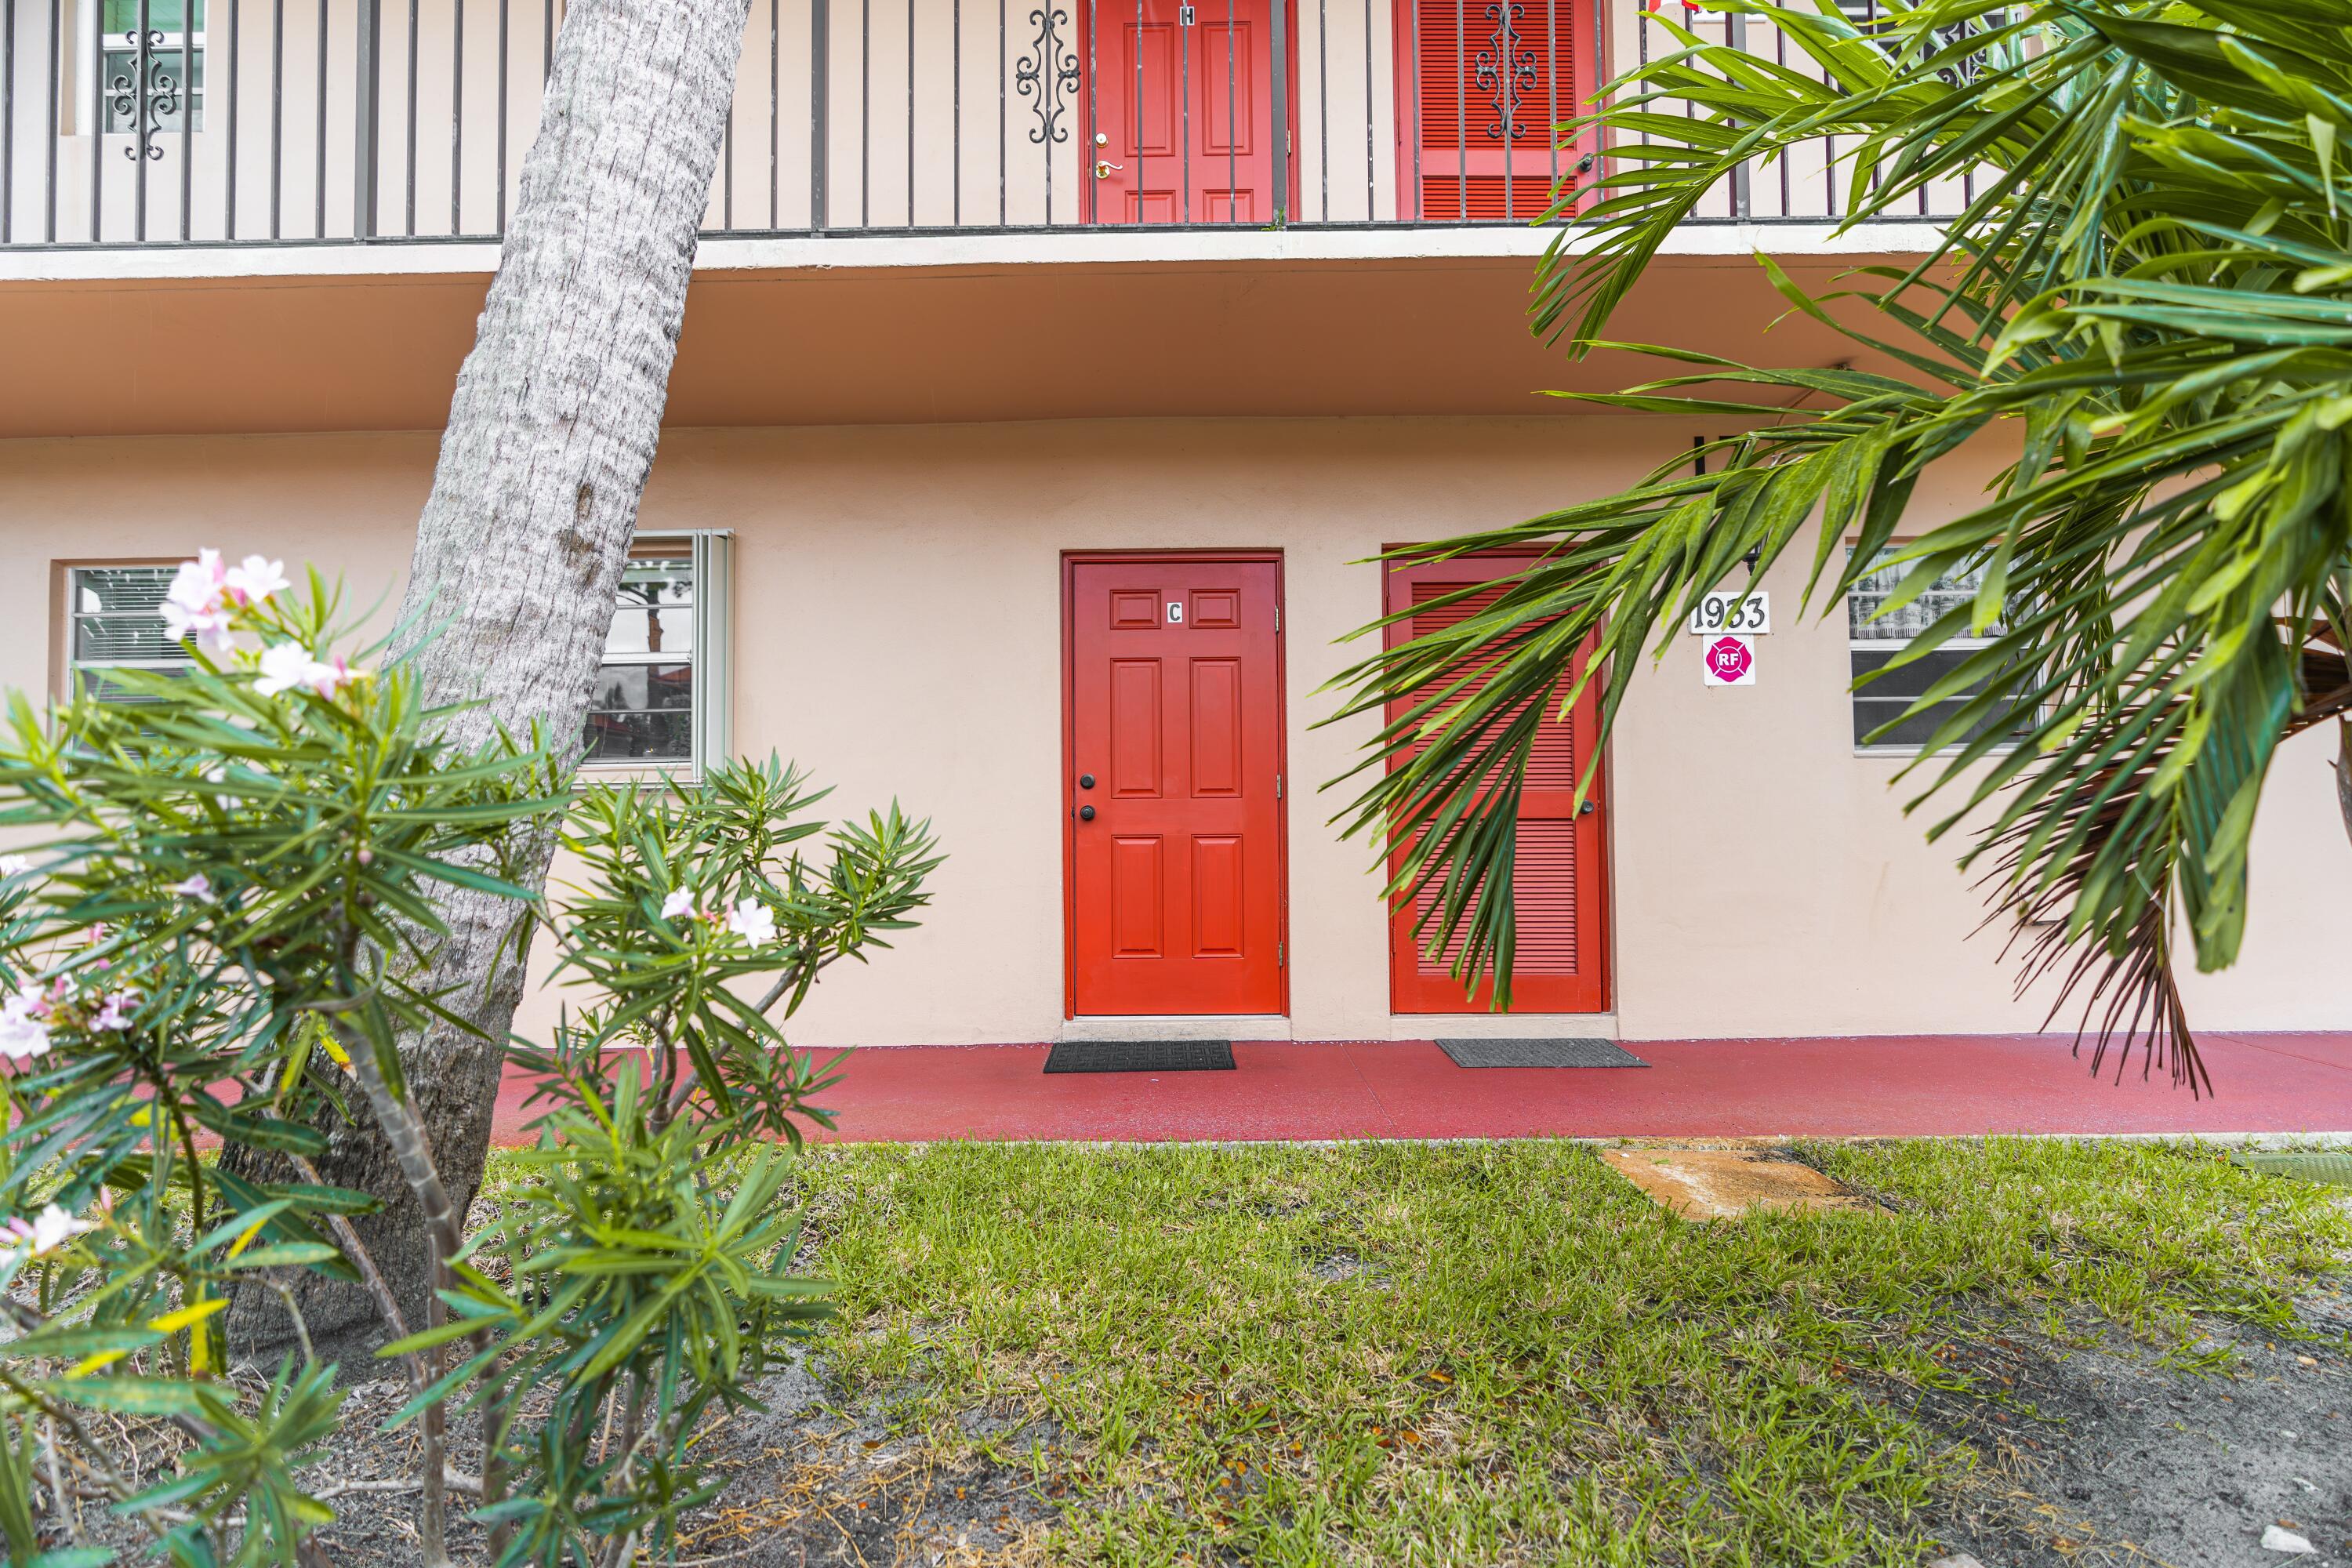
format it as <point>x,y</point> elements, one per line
<point>1182,108</point>
<point>1175,740</point>
<point>1560,965</point>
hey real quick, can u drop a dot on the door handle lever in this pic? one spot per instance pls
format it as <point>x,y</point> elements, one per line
<point>1103,168</point>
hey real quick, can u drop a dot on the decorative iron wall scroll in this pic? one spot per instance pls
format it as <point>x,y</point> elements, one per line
<point>1049,74</point>
<point>144,96</point>
<point>1506,71</point>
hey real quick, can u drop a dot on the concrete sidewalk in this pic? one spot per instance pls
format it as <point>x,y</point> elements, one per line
<point>1855,1086</point>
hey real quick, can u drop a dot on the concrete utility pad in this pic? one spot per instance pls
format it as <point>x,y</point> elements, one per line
<point>1724,1182</point>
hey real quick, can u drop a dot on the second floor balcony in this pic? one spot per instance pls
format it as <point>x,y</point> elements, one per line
<point>237,123</point>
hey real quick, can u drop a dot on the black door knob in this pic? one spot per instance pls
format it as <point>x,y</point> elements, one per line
<point>1584,810</point>
<point>1085,814</point>
<point>1085,780</point>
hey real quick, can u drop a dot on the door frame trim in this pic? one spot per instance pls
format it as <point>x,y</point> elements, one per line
<point>1071,561</point>
<point>1608,793</point>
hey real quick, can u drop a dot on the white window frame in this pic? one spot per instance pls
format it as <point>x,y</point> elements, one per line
<point>710,715</point>
<point>712,658</point>
<point>74,663</point>
<point>1890,644</point>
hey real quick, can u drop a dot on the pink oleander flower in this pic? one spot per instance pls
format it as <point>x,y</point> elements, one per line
<point>115,1013</point>
<point>15,865</point>
<point>198,887</point>
<point>680,902</point>
<point>253,583</point>
<point>752,920</point>
<point>199,584</point>
<point>327,679</point>
<point>196,606</point>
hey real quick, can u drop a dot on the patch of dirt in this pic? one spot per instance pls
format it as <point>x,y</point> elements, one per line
<point>368,1476</point>
<point>1339,1268</point>
<point>2103,1453</point>
<point>808,1481</point>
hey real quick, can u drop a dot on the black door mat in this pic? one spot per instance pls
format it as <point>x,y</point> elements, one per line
<point>1576,1053</point>
<point>1141,1056</point>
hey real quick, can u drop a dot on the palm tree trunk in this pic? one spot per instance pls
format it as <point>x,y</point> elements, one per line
<point>519,550</point>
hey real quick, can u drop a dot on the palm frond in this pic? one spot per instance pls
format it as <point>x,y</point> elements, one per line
<point>2149,287</point>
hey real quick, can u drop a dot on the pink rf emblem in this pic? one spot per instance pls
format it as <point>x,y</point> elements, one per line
<point>1730,658</point>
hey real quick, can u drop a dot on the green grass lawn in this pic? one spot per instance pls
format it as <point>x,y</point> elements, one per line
<point>1399,1353</point>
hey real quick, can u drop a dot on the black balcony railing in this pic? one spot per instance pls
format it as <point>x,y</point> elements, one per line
<point>259,121</point>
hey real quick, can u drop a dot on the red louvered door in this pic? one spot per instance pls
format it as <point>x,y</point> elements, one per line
<point>1560,882</point>
<point>1480,85</point>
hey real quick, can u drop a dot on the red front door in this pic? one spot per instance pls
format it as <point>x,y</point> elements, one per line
<point>1559,888</point>
<point>1174,763</point>
<point>1183,112</point>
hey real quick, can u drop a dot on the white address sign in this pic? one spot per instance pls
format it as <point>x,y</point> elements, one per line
<point>1750,614</point>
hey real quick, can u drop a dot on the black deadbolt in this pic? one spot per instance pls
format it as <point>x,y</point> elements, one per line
<point>1085,780</point>
<point>1085,814</point>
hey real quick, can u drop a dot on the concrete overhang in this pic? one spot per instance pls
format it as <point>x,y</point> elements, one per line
<point>904,328</point>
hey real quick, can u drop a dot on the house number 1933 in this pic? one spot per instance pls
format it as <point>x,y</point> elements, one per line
<point>1745,615</point>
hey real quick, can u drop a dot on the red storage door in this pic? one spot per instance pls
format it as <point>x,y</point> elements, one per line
<point>1560,878</point>
<point>1480,85</point>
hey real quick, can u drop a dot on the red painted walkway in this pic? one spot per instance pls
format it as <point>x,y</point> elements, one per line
<point>1921,1086</point>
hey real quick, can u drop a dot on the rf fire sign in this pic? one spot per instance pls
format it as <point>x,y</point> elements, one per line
<point>1731,660</point>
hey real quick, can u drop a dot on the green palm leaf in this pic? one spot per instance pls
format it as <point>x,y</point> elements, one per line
<point>2148,287</point>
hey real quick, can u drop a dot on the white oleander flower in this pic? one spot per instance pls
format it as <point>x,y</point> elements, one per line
<point>24,1033</point>
<point>255,581</point>
<point>285,666</point>
<point>752,920</point>
<point>46,1231</point>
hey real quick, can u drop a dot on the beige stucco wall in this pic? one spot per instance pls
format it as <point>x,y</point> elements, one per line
<point>897,629</point>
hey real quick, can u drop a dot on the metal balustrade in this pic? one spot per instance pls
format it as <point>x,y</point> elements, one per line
<point>291,121</point>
